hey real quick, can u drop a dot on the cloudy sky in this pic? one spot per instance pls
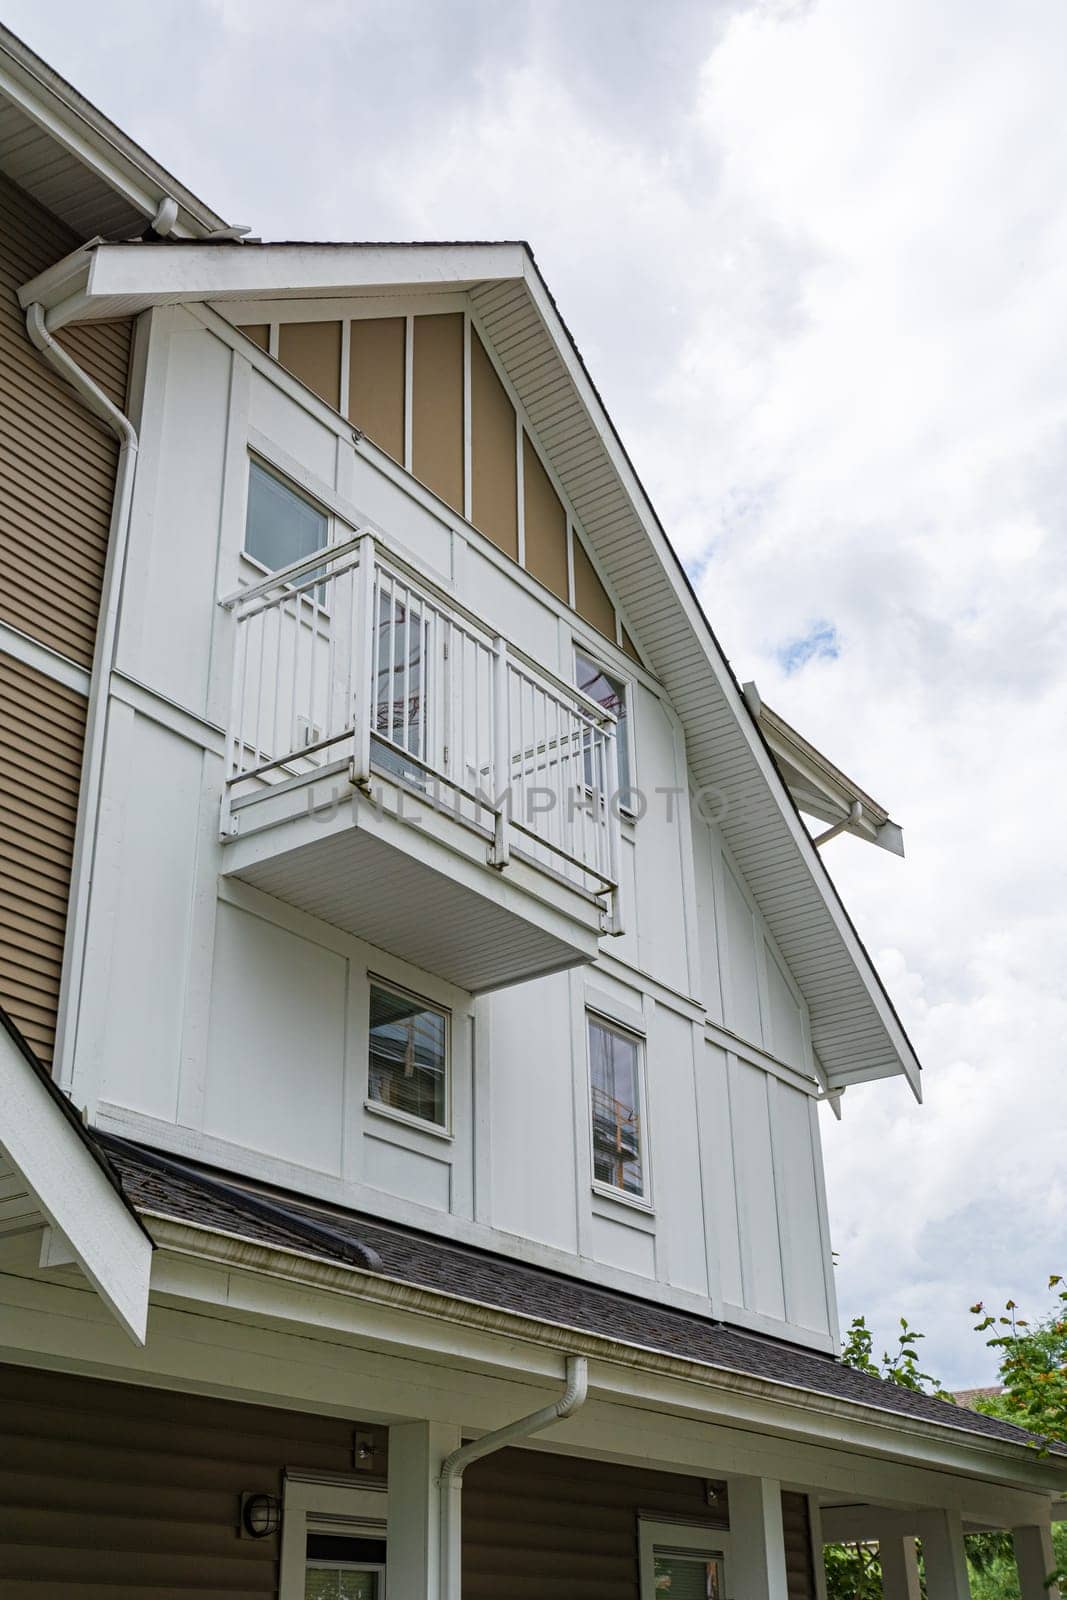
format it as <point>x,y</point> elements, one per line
<point>813,252</point>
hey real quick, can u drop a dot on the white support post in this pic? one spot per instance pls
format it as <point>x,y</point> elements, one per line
<point>757,1540</point>
<point>944,1555</point>
<point>1035,1559</point>
<point>363,684</point>
<point>900,1567</point>
<point>417,1451</point>
<point>501,759</point>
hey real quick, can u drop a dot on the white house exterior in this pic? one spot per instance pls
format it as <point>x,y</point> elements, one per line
<point>420,982</point>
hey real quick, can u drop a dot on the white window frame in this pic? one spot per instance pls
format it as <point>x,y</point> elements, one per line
<point>297,489</point>
<point>694,1536</point>
<point>442,1130</point>
<point>626,683</point>
<point>321,1503</point>
<point>603,1019</point>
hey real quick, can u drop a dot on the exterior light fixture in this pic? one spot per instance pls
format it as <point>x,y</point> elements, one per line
<point>261,1515</point>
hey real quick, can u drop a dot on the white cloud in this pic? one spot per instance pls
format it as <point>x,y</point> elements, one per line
<point>813,253</point>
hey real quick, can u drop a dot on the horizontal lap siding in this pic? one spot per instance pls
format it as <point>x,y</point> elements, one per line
<point>546,1527</point>
<point>57,466</point>
<point>57,477</point>
<point>133,1493</point>
<point>42,726</point>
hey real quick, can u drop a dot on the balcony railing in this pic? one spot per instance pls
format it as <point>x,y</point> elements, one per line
<point>350,664</point>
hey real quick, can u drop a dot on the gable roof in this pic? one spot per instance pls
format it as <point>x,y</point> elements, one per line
<point>56,145</point>
<point>163,1186</point>
<point>856,1032</point>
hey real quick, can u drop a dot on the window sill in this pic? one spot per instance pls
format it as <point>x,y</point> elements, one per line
<point>618,1197</point>
<point>405,1120</point>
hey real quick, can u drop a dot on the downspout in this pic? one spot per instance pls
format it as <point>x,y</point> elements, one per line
<point>96,401</point>
<point>451,1480</point>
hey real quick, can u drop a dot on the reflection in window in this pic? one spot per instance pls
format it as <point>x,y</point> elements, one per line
<point>610,693</point>
<point>341,1568</point>
<point>615,1085</point>
<point>408,1055</point>
<point>685,1575</point>
<point>281,526</point>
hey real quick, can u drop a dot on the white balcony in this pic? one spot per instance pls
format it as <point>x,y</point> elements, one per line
<point>398,769</point>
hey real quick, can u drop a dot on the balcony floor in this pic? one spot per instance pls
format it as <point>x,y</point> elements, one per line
<point>416,885</point>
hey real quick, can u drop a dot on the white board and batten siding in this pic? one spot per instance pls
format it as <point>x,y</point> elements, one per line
<point>219,1021</point>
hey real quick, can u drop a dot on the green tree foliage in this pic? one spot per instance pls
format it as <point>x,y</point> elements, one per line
<point>1032,1367</point>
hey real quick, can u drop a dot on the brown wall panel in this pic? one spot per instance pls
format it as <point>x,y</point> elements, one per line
<point>545,524</point>
<point>629,646</point>
<point>799,1557</point>
<point>57,465</point>
<point>555,1527</point>
<point>42,728</point>
<point>311,351</point>
<point>437,406</point>
<point>109,1488</point>
<point>376,381</point>
<point>591,599</point>
<point>494,490</point>
<point>258,332</point>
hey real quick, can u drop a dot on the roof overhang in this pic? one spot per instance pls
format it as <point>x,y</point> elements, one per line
<point>53,1177</point>
<point>58,147</point>
<point>856,1033</point>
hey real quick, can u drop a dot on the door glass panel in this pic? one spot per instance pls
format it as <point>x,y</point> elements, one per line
<point>686,1575</point>
<point>342,1583</point>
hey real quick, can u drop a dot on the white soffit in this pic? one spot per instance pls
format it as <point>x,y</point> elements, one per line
<point>855,1030</point>
<point>58,147</point>
<point>51,1177</point>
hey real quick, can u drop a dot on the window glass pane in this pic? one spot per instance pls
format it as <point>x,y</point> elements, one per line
<point>341,1583</point>
<point>687,1577</point>
<point>611,694</point>
<point>408,1055</point>
<point>614,1069</point>
<point>281,526</point>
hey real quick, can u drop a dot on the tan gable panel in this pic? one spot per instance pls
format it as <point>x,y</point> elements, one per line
<point>590,597</point>
<point>312,352</point>
<point>545,524</point>
<point>494,490</point>
<point>57,465</point>
<point>42,728</point>
<point>376,381</point>
<point>437,406</point>
<point>258,332</point>
<point>629,646</point>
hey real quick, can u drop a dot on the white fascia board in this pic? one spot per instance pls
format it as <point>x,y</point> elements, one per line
<point>730,688</point>
<point>73,1191</point>
<point>85,133</point>
<point>181,273</point>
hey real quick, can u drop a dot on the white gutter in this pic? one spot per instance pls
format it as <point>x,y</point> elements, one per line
<point>96,401</point>
<point>451,1480</point>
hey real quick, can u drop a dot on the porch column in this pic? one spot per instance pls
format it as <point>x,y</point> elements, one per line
<point>416,1451</point>
<point>900,1567</point>
<point>757,1540</point>
<point>1034,1560</point>
<point>945,1556</point>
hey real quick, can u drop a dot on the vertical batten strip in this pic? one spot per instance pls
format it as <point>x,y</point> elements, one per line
<point>570,563</point>
<point>520,489</point>
<point>346,364</point>
<point>468,484</point>
<point>272,339</point>
<point>409,385</point>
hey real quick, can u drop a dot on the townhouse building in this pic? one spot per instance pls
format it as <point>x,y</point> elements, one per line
<point>419,981</point>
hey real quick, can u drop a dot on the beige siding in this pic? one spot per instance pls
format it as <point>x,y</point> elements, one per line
<point>312,353</point>
<point>57,466</point>
<point>591,599</point>
<point>134,1493</point>
<point>376,381</point>
<point>437,406</point>
<point>544,1527</point>
<point>494,490</point>
<point>544,524</point>
<point>258,332</point>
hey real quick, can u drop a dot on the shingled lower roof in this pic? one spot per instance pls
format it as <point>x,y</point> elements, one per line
<point>164,1186</point>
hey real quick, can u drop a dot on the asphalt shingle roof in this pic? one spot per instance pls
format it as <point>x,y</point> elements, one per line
<point>214,1200</point>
